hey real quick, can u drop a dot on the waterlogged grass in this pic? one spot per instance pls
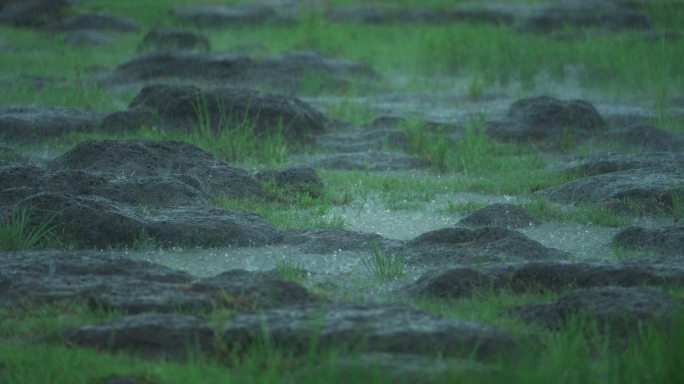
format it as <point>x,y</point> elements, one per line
<point>289,270</point>
<point>299,211</point>
<point>622,253</point>
<point>577,353</point>
<point>415,190</point>
<point>462,208</point>
<point>623,64</point>
<point>583,214</point>
<point>677,205</point>
<point>352,111</point>
<point>238,144</point>
<point>384,265</point>
<point>20,233</point>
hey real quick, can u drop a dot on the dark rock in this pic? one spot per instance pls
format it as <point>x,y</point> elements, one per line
<point>499,215</point>
<point>646,137</point>
<point>87,263</point>
<point>377,15</point>
<point>453,284</point>
<point>186,108</point>
<point>470,246</point>
<point>606,162</point>
<point>150,192</point>
<point>149,334</point>
<point>162,39</point>
<point>113,282</point>
<point>96,21</point>
<point>17,175</point>
<point>548,119</point>
<point>368,138</point>
<point>244,290</point>
<point>217,16</point>
<point>617,311</point>
<point>35,123</point>
<point>668,241</point>
<point>555,277</point>
<point>124,380</point>
<point>641,190</point>
<point>542,277</point>
<point>134,297</point>
<point>369,161</point>
<point>327,241</point>
<point>368,328</point>
<point>112,193</point>
<point>582,14</point>
<point>99,222</point>
<point>378,328</point>
<point>33,13</point>
<point>294,179</point>
<point>9,156</point>
<point>105,280</point>
<point>128,161</point>
<point>291,71</point>
<point>88,38</point>
<point>94,221</point>
<point>209,227</point>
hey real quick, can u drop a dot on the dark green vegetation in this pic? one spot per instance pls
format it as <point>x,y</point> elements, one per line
<point>467,66</point>
<point>577,353</point>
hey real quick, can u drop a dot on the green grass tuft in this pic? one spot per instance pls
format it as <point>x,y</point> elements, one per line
<point>19,233</point>
<point>384,265</point>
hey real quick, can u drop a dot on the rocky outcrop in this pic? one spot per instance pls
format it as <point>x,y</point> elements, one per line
<point>33,13</point>
<point>113,282</point>
<point>472,246</point>
<point>606,162</point>
<point>171,39</point>
<point>123,160</point>
<point>148,334</point>
<point>187,108</point>
<point>666,242</point>
<point>291,71</point>
<point>34,123</point>
<point>113,193</point>
<point>253,290</point>
<point>509,216</point>
<point>548,119</point>
<point>78,38</point>
<point>645,183</point>
<point>218,16</point>
<point>96,21</point>
<point>327,241</point>
<point>617,311</point>
<point>491,14</point>
<point>646,138</point>
<point>537,277</point>
<point>367,328</point>
<point>608,15</point>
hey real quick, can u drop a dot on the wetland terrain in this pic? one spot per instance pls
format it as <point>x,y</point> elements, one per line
<point>341,191</point>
